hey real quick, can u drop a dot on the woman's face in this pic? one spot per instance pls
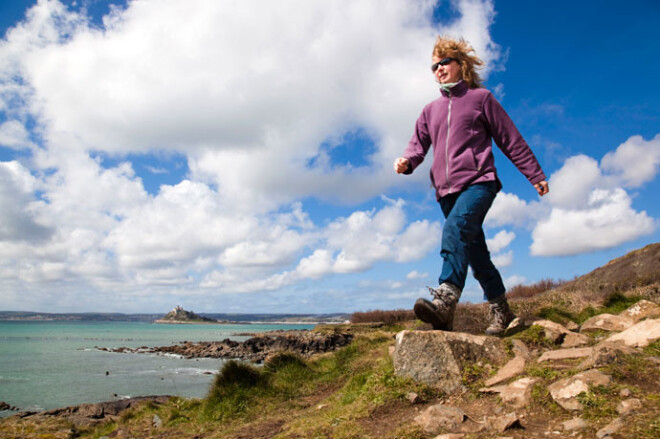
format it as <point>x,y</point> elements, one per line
<point>448,73</point>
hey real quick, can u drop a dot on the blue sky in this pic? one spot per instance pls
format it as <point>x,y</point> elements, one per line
<point>236,157</point>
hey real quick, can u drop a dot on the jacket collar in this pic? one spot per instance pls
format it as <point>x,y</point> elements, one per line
<point>458,90</point>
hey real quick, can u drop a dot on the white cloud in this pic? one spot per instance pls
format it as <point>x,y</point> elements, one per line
<point>414,275</point>
<point>606,221</point>
<point>509,209</point>
<point>634,162</point>
<point>14,135</point>
<point>20,211</point>
<point>571,186</point>
<point>590,208</point>
<point>500,241</point>
<point>249,91</point>
<point>503,260</point>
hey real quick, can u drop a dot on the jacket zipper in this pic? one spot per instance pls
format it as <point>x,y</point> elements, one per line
<point>447,143</point>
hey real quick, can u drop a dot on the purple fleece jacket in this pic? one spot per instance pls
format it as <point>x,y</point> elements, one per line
<point>460,125</point>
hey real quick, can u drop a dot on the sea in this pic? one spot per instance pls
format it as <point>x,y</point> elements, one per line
<point>51,364</point>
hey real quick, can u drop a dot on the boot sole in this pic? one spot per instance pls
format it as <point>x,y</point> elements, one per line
<point>425,311</point>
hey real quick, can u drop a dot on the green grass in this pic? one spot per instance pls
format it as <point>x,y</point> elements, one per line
<point>534,336</point>
<point>632,368</point>
<point>614,304</point>
<point>598,403</point>
<point>653,349</point>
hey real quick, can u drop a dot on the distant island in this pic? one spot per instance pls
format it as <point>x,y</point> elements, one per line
<point>180,316</point>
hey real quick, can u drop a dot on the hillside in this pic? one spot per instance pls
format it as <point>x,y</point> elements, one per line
<point>636,269</point>
<point>560,374</point>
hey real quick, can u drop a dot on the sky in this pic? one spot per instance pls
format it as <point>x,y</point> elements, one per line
<point>236,156</point>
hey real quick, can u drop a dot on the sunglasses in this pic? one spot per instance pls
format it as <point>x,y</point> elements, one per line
<point>442,62</point>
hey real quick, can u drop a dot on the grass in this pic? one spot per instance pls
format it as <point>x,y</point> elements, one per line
<point>598,403</point>
<point>331,395</point>
<point>653,349</point>
<point>534,336</point>
<point>635,369</point>
<point>614,304</point>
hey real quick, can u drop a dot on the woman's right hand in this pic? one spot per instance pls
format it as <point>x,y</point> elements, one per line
<point>401,165</point>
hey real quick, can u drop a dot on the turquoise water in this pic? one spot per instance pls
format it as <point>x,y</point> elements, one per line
<point>45,365</point>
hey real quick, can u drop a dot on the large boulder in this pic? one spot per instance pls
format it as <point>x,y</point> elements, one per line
<point>606,322</point>
<point>437,358</point>
<point>640,335</point>
<point>642,310</point>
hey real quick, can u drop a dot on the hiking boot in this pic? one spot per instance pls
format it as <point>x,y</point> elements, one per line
<point>500,316</point>
<point>439,312</point>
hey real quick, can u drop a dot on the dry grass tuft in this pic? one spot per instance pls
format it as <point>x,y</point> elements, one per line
<point>387,317</point>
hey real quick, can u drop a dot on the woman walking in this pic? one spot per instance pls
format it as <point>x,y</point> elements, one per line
<point>461,125</point>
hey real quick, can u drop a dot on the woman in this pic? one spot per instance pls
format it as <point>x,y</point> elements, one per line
<point>461,125</point>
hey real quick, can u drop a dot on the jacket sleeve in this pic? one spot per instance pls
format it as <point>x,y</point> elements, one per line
<point>419,144</point>
<point>510,141</point>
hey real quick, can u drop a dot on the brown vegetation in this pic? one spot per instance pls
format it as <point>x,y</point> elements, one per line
<point>522,291</point>
<point>387,317</point>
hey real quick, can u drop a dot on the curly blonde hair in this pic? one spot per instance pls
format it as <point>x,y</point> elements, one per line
<point>466,56</point>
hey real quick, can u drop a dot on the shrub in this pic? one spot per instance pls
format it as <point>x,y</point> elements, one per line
<point>523,291</point>
<point>387,317</point>
<point>237,384</point>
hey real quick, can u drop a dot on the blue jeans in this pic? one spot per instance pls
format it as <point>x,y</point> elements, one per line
<point>463,239</point>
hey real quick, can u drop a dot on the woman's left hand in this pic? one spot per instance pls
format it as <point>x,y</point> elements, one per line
<point>542,187</point>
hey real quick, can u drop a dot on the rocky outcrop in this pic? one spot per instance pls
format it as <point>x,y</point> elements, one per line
<point>440,359</point>
<point>87,414</point>
<point>5,406</point>
<point>255,349</point>
<point>437,358</point>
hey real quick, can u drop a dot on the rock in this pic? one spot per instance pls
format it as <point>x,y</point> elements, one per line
<point>158,423</point>
<point>520,349</point>
<point>518,394</point>
<point>513,368</point>
<point>625,393</point>
<point>639,335</point>
<point>572,326</point>
<point>438,417</point>
<point>450,436</point>
<point>413,398</point>
<point>565,391</point>
<point>628,406</point>
<point>642,310</point>
<point>90,414</point>
<point>575,424</point>
<point>437,358</point>
<point>503,423</point>
<point>565,354</point>
<point>552,331</point>
<point>605,353</point>
<point>610,429</point>
<point>391,350</point>
<point>606,322</point>
<point>573,340</point>
<point>256,349</point>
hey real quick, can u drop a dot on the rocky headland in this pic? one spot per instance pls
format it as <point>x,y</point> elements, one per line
<point>255,349</point>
